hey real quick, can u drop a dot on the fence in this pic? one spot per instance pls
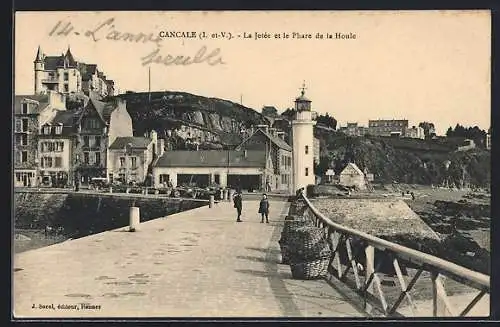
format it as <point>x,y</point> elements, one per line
<point>357,254</point>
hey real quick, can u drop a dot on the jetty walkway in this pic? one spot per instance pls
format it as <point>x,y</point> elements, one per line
<point>198,263</point>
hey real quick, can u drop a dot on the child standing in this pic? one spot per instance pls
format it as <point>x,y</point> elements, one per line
<point>264,208</point>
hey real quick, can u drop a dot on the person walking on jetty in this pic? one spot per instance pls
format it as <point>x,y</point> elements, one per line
<point>264,208</point>
<point>238,204</point>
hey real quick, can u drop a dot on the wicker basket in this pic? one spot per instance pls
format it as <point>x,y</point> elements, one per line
<point>304,236</point>
<point>309,252</point>
<point>285,254</point>
<point>311,269</point>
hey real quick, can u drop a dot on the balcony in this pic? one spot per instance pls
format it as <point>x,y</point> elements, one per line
<point>50,80</point>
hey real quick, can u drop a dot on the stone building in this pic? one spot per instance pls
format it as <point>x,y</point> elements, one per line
<point>55,146</point>
<point>130,158</point>
<point>30,113</point>
<point>387,127</point>
<point>97,125</point>
<point>65,75</point>
<point>415,132</point>
<point>353,129</point>
<point>277,151</point>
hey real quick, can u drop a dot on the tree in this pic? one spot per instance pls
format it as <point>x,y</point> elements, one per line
<point>321,167</point>
<point>288,113</point>
<point>327,120</point>
<point>269,111</point>
<point>429,129</point>
<point>474,133</point>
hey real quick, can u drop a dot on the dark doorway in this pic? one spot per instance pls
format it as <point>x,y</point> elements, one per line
<point>245,182</point>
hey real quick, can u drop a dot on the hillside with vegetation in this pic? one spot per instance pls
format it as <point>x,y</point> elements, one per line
<point>169,110</point>
<point>410,161</point>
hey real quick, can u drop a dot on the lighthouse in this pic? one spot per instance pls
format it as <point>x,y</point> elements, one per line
<point>303,142</point>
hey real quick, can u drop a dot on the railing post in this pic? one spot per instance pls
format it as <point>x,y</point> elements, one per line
<point>440,304</point>
<point>369,270</point>
<point>211,202</point>
<point>134,219</point>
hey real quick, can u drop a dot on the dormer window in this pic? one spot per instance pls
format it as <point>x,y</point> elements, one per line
<point>46,129</point>
<point>58,129</point>
<point>25,108</point>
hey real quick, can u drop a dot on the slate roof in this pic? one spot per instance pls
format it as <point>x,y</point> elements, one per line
<point>212,158</point>
<point>63,117</point>
<point>52,62</point>
<point>104,109</point>
<point>137,142</point>
<point>276,140</point>
<point>43,100</point>
<point>87,70</point>
<point>66,119</point>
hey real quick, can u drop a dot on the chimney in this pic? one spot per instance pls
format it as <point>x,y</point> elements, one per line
<point>57,100</point>
<point>161,147</point>
<point>154,136</point>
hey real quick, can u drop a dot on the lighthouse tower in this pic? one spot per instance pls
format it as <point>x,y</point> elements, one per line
<point>303,142</point>
<point>39,71</point>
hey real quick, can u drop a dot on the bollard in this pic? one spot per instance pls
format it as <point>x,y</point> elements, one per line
<point>134,219</point>
<point>211,202</point>
<point>111,189</point>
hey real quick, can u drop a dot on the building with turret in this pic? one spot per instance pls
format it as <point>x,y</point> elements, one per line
<point>65,75</point>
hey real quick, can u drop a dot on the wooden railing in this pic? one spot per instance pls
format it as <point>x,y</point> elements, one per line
<point>357,254</point>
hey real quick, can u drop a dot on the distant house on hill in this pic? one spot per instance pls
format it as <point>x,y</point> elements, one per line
<point>467,145</point>
<point>352,176</point>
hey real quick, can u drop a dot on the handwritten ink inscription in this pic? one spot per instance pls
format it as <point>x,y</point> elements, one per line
<point>107,30</point>
<point>212,58</point>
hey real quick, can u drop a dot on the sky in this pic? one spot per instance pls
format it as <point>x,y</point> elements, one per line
<point>416,65</point>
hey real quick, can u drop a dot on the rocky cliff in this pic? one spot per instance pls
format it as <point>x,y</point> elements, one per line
<point>406,160</point>
<point>167,111</point>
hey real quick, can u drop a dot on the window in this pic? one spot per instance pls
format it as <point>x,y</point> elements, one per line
<point>122,162</point>
<point>24,125</point>
<point>86,141</point>
<point>110,177</point>
<point>97,141</point>
<point>58,129</point>
<point>24,108</point>
<point>57,162</point>
<point>98,158</point>
<point>66,76</point>
<point>121,177</point>
<point>46,129</point>
<point>307,149</point>
<point>307,171</point>
<point>46,162</point>
<point>24,139</point>
<point>91,123</point>
<point>59,146</point>
<point>164,178</point>
<point>66,88</point>
<point>86,158</point>
<point>133,162</point>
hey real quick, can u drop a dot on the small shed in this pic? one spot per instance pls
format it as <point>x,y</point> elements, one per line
<point>352,176</point>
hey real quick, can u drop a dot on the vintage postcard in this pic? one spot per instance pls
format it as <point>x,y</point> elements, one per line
<point>260,164</point>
